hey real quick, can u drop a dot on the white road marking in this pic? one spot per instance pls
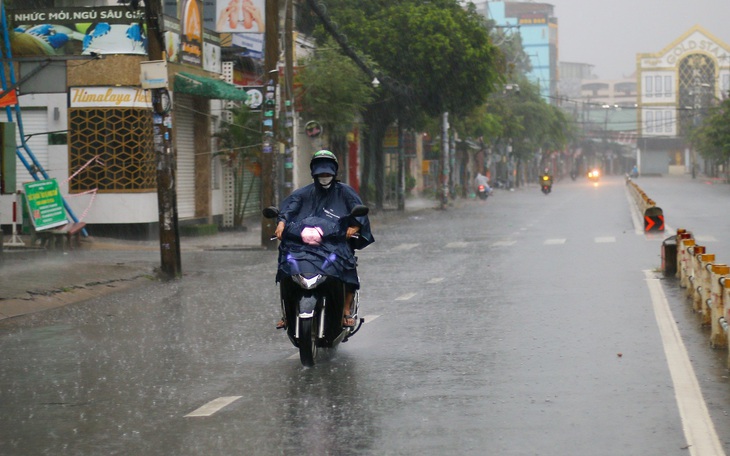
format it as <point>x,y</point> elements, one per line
<point>370,318</point>
<point>456,245</point>
<point>554,241</point>
<point>699,431</point>
<point>605,239</point>
<point>405,297</point>
<point>435,280</point>
<point>636,218</point>
<point>406,247</point>
<point>504,243</point>
<point>213,406</point>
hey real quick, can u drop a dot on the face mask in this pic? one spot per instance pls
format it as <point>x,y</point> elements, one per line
<point>325,181</point>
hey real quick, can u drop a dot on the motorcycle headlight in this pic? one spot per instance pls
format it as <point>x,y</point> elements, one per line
<point>309,282</point>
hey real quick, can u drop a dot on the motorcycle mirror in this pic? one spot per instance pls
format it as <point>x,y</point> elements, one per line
<point>359,211</point>
<point>270,212</point>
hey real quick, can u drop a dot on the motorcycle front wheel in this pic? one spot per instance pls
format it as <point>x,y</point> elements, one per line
<point>307,342</point>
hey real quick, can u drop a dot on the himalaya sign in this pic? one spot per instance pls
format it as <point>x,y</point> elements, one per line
<point>101,97</point>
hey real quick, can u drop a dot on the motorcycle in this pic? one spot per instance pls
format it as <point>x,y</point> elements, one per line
<point>482,192</point>
<point>546,184</point>
<point>594,175</point>
<point>313,254</point>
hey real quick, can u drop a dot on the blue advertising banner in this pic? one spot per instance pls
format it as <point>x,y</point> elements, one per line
<point>76,31</point>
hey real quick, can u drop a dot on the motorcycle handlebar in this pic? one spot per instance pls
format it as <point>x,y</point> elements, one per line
<point>354,236</point>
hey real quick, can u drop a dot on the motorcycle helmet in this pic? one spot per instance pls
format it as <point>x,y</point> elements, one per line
<point>323,162</point>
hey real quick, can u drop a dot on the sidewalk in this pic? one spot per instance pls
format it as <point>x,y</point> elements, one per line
<point>32,280</point>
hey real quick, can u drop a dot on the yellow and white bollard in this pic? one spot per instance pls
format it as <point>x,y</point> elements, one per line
<point>684,261</point>
<point>718,338</point>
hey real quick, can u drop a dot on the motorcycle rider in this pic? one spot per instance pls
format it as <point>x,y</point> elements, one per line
<point>330,199</point>
<point>549,180</point>
<point>481,179</point>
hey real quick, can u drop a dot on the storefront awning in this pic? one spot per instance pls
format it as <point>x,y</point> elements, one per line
<point>201,86</point>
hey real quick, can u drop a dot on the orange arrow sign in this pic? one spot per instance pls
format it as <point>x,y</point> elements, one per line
<point>651,220</point>
<point>648,223</point>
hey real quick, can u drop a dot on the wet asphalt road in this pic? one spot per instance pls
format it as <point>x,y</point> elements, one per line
<point>519,326</point>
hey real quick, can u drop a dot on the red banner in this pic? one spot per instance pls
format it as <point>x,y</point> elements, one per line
<point>9,99</point>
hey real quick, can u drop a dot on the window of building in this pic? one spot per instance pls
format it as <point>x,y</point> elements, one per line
<point>650,122</point>
<point>668,122</point>
<point>667,86</point>
<point>696,84</point>
<point>648,86</point>
<point>115,144</point>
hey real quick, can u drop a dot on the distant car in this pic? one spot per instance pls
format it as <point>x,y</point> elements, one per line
<point>594,174</point>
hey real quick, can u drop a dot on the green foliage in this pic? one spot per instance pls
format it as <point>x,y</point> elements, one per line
<point>528,121</point>
<point>435,50</point>
<point>712,137</point>
<point>335,89</point>
<point>431,57</point>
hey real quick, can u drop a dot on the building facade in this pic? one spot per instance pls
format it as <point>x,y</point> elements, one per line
<point>538,28</point>
<point>89,124</point>
<point>676,87</point>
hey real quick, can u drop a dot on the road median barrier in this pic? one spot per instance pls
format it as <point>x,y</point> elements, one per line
<point>653,215</point>
<point>707,284</point>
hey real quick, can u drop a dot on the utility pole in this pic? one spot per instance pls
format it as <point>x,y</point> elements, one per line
<point>289,108</point>
<point>171,267</point>
<point>444,160</point>
<point>401,186</point>
<point>270,144</point>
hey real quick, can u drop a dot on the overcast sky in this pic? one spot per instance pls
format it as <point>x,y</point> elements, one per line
<point>609,34</point>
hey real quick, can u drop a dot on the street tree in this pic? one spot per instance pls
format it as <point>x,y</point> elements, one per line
<point>712,137</point>
<point>527,124</point>
<point>433,57</point>
<point>334,93</point>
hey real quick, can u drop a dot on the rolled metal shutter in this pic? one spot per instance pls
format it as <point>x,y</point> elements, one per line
<point>185,147</point>
<point>34,121</point>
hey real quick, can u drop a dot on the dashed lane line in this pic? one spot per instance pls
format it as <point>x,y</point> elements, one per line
<point>435,280</point>
<point>405,247</point>
<point>504,243</point>
<point>213,406</point>
<point>405,297</point>
<point>699,431</point>
<point>554,241</point>
<point>456,245</point>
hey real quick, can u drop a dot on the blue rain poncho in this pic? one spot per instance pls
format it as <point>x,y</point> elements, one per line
<point>313,206</point>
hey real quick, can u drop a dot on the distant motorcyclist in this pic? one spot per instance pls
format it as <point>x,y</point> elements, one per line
<point>481,179</point>
<point>546,174</point>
